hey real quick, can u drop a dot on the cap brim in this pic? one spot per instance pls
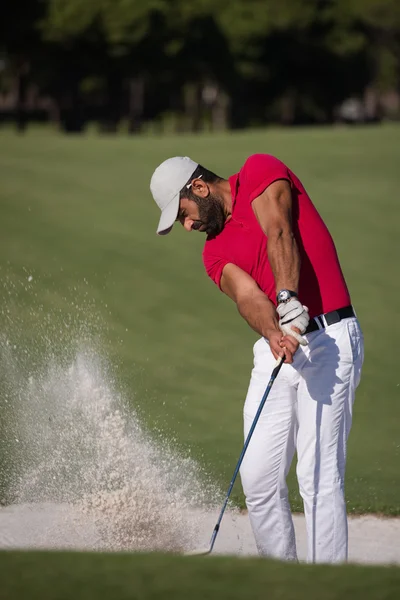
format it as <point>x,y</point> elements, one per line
<point>168,216</point>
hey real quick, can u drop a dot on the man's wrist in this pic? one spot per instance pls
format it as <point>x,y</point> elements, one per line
<point>271,326</point>
<point>284,295</point>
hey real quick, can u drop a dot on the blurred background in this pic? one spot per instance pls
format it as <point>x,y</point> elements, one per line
<point>173,65</point>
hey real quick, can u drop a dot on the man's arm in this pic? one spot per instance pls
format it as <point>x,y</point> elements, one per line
<point>255,307</point>
<point>273,209</point>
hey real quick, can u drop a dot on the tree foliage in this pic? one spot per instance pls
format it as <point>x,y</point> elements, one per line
<point>261,60</point>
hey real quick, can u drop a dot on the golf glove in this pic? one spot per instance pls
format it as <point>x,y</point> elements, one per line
<point>293,314</point>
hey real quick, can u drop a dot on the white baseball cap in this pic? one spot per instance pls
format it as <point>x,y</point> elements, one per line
<point>166,183</point>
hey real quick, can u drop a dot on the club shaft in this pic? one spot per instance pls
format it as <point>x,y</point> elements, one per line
<point>248,438</point>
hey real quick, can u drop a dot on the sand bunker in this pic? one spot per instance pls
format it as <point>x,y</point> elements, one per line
<point>63,526</point>
<point>80,472</point>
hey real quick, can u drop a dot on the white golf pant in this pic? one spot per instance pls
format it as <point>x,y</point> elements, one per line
<point>309,410</point>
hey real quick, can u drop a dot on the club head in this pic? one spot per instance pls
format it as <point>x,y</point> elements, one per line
<point>199,552</point>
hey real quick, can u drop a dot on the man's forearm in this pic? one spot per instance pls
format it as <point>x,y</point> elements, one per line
<point>284,258</point>
<point>259,313</point>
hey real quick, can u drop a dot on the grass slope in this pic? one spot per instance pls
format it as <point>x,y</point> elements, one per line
<point>76,215</point>
<point>60,576</point>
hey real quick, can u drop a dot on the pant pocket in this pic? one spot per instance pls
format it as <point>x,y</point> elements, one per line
<point>356,343</point>
<point>356,339</point>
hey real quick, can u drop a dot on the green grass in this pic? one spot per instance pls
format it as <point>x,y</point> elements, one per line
<point>76,214</point>
<point>59,576</point>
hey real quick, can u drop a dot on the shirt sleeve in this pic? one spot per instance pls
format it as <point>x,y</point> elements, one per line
<point>259,171</point>
<point>214,266</point>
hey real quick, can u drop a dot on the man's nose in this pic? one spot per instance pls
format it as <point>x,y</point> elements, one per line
<point>188,224</point>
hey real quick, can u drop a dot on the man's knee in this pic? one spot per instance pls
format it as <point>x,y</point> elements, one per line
<point>260,488</point>
<point>316,480</point>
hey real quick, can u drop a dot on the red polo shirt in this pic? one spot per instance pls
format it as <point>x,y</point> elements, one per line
<point>242,241</point>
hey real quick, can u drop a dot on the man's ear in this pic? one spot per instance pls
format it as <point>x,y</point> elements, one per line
<point>200,188</point>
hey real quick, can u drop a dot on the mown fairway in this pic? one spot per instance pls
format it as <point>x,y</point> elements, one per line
<point>77,216</point>
<point>60,576</point>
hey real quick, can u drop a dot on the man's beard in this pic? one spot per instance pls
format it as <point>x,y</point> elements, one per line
<point>211,216</point>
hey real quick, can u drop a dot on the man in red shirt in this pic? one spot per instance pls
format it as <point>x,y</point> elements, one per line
<point>268,249</point>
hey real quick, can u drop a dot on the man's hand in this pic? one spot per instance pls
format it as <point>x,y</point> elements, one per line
<point>258,311</point>
<point>294,319</point>
<point>282,345</point>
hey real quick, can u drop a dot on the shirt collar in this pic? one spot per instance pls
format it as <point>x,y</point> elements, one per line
<point>234,183</point>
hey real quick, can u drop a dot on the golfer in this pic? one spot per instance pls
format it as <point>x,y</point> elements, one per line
<point>268,249</point>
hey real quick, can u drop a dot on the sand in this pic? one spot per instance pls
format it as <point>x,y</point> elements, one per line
<point>372,540</point>
<point>83,474</point>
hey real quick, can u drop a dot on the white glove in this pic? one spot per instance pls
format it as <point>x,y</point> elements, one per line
<point>293,314</point>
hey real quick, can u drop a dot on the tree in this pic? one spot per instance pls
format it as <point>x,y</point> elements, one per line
<point>21,48</point>
<point>231,63</point>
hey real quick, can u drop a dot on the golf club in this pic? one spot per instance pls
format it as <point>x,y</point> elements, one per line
<point>274,374</point>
